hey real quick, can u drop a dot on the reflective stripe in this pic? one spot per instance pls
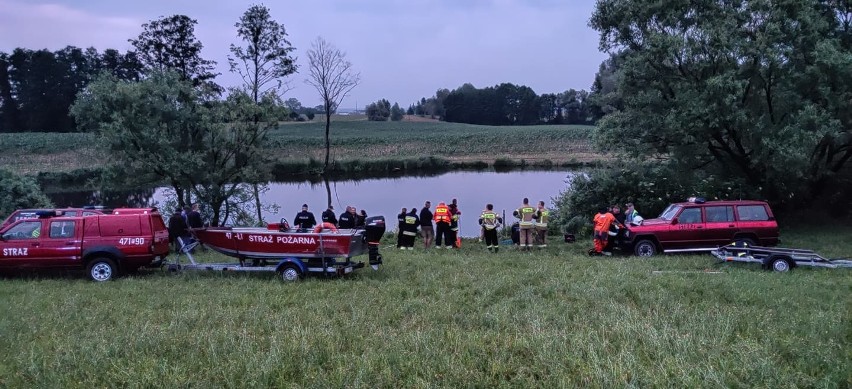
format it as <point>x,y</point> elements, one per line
<point>409,233</point>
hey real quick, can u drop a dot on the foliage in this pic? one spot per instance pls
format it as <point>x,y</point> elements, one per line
<point>37,87</point>
<point>379,111</point>
<point>333,78</point>
<point>650,186</point>
<point>759,91</point>
<point>396,113</point>
<point>465,318</point>
<point>18,192</point>
<point>169,44</point>
<point>267,55</point>
<point>166,127</point>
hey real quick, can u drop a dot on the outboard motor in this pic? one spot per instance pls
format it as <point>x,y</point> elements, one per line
<point>374,230</point>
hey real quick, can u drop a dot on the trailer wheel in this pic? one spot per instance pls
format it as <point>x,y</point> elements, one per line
<point>290,273</point>
<point>780,265</point>
<point>645,248</point>
<point>102,270</point>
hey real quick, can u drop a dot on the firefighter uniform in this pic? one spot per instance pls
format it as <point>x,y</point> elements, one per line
<point>410,229</point>
<point>526,224</point>
<point>602,221</point>
<point>442,219</point>
<point>542,215</point>
<point>490,222</point>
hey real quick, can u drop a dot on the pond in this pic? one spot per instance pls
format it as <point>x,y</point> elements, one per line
<point>386,196</point>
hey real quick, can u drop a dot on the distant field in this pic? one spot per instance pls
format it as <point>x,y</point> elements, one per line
<point>352,137</point>
<point>548,319</point>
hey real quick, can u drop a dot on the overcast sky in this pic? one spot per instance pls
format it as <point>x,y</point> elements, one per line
<point>404,49</point>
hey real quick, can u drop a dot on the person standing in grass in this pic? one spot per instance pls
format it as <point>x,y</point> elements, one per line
<point>400,228</point>
<point>442,220</point>
<point>411,223</point>
<point>455,214</point>
<point>541,216</point>
<point>602,222</point>
<point>490,222</point>
<point>426,230</point>
<point>525,213</point>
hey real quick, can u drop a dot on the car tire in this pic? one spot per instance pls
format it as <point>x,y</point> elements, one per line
<point>645,248</point>
<point>290,273</point>
<point>102,270</point>
<point>744,242</point>
<point>781,265</point>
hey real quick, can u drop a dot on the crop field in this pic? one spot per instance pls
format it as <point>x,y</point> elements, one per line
<point>352,138</point>
<point>462,318</point>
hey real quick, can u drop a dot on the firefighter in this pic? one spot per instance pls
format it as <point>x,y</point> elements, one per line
<point>400,228</point>
<point>490,222</point>
<point>525,213</point>
<point>411,222</point>
<point>602,222</point>
<point>442,219</point>
<point>454,223</point>
<point>541,217</point>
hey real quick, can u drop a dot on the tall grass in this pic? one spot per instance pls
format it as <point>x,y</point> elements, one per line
<point>467,318</point>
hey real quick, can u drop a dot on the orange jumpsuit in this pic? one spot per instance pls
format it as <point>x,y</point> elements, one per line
<point>602,222</point>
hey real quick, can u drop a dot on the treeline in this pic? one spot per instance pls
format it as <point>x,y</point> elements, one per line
<point>37,87</point>
<point>509,104</point>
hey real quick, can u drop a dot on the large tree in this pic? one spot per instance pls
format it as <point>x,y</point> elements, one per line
<point>169,43</point>
<point>757,89</point>
<point>18,192</point>
<point>333,78</point>
<point>165,128</point>
<point>266,58</point>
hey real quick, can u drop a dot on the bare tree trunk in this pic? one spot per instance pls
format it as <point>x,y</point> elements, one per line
<point>327,139</point>
<point>257,205</point>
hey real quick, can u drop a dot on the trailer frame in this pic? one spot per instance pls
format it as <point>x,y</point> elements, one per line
<point>777,258</point>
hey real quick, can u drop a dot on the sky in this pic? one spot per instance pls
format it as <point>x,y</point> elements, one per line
<point>403,49</point>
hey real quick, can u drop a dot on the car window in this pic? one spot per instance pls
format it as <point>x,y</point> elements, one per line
<point>752,213</point>
<point>670,212</point>
<point>24,230</point>
<point>719,214</point>
<point>62,229</point>
<point>690,215</point>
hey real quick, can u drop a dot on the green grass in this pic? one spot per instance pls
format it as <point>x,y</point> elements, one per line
<point>553,318</point>
<point>352,139</point>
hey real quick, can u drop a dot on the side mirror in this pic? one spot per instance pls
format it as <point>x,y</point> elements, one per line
<point>674,221</point>
<point>3,237</point>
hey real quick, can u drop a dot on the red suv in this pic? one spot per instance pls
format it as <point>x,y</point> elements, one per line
<point>697,225</point>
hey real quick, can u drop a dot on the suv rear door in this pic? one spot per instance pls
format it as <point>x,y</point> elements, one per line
<point>756,219</point>
<point>720,225</point>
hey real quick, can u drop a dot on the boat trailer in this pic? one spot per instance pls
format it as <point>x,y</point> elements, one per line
<point>777,258</point>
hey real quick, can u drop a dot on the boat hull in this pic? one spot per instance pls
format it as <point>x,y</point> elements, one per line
<point>260,243</point>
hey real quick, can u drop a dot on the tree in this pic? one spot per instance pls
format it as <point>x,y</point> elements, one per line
<point>266,58</point>
<point>396,113</point>
<point>18,192</point>
<point>761,91</point>
<point>333,78</point>
<point>169,43</point>
<point>165,128</point>
<point>379,111</point>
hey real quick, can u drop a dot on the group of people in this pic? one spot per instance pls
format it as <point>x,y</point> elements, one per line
<point>181,221</point>
<point>532,226</point>
<point>305,219</point>
<point>610,224</point>
<point>444,233</point>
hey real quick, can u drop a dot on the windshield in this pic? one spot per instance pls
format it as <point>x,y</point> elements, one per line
<point>670,212</point>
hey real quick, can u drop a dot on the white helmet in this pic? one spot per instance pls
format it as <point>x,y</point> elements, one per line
<point>637,220</point>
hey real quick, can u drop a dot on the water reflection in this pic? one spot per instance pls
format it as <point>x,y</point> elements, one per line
<point>387,196</point>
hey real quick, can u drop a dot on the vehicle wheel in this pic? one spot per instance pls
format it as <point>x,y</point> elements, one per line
<point>290,273</point>
<point>780,265</point>
<point>645,248</point>
<point>744,242</point>
<point>102,270</point>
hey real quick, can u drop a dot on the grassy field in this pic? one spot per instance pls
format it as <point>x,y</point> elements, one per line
<point>466,318</point>
<point>352,139</point>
